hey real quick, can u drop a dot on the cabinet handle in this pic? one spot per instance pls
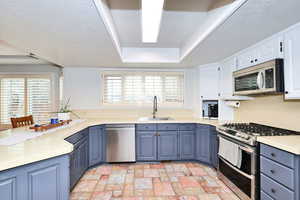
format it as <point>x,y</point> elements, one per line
<point>251,61</point>
<point>255,60</point>
<point>272,171</point>
<point>273,190</point>
<point>286,92</point>
<point>273,154</point>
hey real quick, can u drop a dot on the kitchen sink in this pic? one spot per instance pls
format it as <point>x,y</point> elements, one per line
<point>155,119</point>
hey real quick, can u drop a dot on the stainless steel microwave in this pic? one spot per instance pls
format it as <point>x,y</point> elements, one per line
<point>267,77</point>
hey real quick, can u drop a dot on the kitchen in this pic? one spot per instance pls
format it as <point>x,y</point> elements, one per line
<point>113,100</point>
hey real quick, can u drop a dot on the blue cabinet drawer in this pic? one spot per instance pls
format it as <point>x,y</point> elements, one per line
<point>167,127</point>
<point>275,190</point>
<point>77,136</point>
<point>146,127</point>
<point>264,196</point>
<point>187,127</point>
<point>278,172</point>
<point>277,155</point>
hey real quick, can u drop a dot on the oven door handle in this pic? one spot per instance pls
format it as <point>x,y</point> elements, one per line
<point>251,151</point>
<point>236,169</point>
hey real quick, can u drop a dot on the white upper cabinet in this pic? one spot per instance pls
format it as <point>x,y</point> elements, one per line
<point>264,51</point>
<point>209,82</point>
<point>246,59</point>
<point>292,63</point>
<point>270,49</point>
<point>225,77</point>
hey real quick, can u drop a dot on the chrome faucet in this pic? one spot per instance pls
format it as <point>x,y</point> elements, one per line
<point>154,107</point>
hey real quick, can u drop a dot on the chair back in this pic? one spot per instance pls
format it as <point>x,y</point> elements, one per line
<point>21,121</point>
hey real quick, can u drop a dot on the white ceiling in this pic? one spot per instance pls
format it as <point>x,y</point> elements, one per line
<point>176,27</point>
<point>72,33</point>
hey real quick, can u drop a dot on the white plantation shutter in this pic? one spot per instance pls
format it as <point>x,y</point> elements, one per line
<point>133,90</point>
<point>22,95</point>
<point>39,98</point>
<point>141,87</point>
<point>113,89</point>
<point>153,87</point>
<point>12,98</point>
<point>173,89</point>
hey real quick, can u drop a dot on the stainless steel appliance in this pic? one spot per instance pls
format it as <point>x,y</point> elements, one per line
<point>120,143</point>
<point>244,181</point>
<point>210,109</point>
<point>267,77</point>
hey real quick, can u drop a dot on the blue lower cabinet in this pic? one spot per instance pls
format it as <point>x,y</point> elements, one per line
<point>168,145</point>
<point>279,174</point>
<point>203,143</point>
<point>97,145</point>
<point>9,185</point>
<point>187,145</point>
<point>146,146</point>
<point>47,180</point>
<point>79,158</point>
<point>214,146</point>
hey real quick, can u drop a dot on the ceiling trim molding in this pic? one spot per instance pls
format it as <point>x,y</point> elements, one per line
<point>214,19</point>
<point>105,14</point>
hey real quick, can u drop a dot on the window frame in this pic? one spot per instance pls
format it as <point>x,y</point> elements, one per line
<point>142,104</point>
<point>26,76</point>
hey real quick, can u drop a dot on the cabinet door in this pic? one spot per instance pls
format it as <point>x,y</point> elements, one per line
<point>73,171</point>
<point>83,151</point>
<point>96,145</point>
<point>8,189</point>
<point>187,145</point>
<point>168,145</point>
<point>246,59</point>
<point>203,150</point>
<point>225,74</point>
<point>146,146</point>
<point>269,50</point>
<point>292,63</point>
<point>48,180</point>
<point>208,82</point>
<point>214,142</point>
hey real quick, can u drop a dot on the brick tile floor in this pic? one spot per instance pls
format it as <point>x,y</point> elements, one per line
<point>163,181</point>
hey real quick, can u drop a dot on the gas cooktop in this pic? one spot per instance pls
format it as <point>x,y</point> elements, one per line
<point>248,132</point>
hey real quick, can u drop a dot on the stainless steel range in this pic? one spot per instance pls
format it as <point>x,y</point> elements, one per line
<point>244,179</point>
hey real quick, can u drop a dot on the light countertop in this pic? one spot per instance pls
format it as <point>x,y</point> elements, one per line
<point>53,144</point>
<point>290,143</point>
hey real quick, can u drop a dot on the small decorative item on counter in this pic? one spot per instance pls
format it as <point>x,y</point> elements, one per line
<point>64,112</point>
<point>45,127</point>
<point>54,121</point>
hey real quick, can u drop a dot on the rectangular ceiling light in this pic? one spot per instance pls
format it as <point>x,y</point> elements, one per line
<point>151,18</point>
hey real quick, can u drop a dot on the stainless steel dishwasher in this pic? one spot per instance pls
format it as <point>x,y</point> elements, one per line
<point>120,143</point>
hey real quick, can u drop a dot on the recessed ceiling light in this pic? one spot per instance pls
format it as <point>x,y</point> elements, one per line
<point>151,18</point>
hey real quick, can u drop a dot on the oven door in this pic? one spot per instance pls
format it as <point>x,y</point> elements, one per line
<point>241,180</point>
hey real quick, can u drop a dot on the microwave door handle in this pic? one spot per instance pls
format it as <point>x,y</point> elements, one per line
<point>260,80</point>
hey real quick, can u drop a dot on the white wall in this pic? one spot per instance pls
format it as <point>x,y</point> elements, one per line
<point>83,85</point>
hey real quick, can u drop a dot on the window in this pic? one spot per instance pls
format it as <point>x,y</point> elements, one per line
<point>25,95</point>
<point>137,88</point>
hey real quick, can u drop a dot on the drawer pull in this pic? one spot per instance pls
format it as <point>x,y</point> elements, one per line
<point>273,190</point>
<point>273,154</point>
<point>272,171</point>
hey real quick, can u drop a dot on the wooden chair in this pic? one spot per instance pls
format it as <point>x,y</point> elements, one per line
<point>21,121</point>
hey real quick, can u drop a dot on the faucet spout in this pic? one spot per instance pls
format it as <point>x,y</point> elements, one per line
<point>154,107</point>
